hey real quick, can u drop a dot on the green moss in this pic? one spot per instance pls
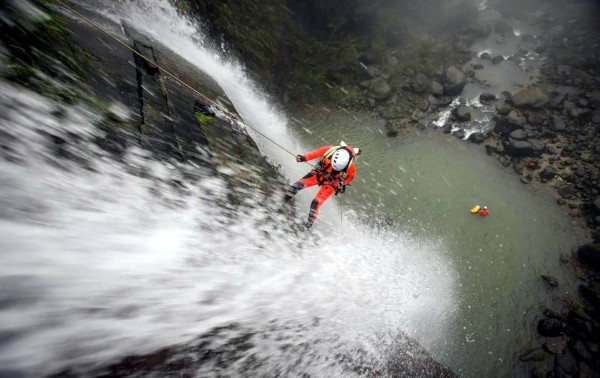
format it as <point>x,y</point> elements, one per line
<point>19,73</point>
<point>203,119</point>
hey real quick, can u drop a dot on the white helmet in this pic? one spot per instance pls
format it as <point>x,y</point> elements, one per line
<point>340,159</point>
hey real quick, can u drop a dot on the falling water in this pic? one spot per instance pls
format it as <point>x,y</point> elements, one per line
<point>105,258</point>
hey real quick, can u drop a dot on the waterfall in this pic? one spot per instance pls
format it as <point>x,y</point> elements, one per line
<point>100,262</point>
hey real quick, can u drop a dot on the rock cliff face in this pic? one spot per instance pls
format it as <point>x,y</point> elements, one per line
<point>155,111</point>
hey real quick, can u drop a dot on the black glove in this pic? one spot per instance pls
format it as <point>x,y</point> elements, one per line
<point>300,158</point>
<point>341,188</point>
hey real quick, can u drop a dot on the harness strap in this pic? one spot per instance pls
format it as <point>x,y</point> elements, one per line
<point>322,169</point>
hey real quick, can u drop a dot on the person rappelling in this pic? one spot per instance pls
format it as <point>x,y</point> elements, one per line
<point>333,173</point>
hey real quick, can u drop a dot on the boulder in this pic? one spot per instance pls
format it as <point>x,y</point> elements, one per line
<point>420,84</point>
<point>477,138</point>
<point>379,89</point>
<point>395,126</point>
<point>529,98</point>
<point>550,327</point>
<point>509,123</point>
<point>502,108</point>
<point>535,118</point>
<point>536,354</point>
<point>557,124</point>
<point>497,59</point>
<point>548,173</point>
<point>521,148</point>
<point>454,82</point>
<point>567,191</point>
<point>581,350</point>
<point>581,115</point>
<point>462,113</point>
<point>486,97</point>
<point>589,254</point>
<point>518,134</point>
<point>565,365</point>
<point>436,89</point>
<point>460,134</point>
<point>423,105</point>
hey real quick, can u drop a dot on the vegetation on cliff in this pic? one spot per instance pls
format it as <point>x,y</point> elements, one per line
<point>320,51</point>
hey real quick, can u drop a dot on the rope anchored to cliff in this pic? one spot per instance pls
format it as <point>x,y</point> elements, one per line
<point>173,76</point>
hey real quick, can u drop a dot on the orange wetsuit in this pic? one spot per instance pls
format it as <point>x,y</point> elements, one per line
<point>327,178</point>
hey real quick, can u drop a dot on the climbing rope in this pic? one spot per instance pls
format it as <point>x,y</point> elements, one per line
<point>200,94</point>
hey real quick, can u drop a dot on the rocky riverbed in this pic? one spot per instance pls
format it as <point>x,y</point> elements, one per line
<point>547,131</point>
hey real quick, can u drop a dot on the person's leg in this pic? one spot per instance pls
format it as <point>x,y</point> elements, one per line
<point>322,195</point>
<point>309,180</point>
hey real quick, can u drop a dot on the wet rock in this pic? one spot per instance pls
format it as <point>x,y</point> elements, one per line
<point>478,66</point>
<point>567,191</point>
<point>591,292</point>
<point>550,280</point>
<point>502,108</point>
<point>396,126</point>
<point>460,134</point>
<point>518,134</point>
<point>565,363</point>
<point>454,82</point>
<point>536,372</point>
<point>581,115</point>
<point>462,113</point>
<point>530,98</point>
<point>555,315</point>
<point>520,148</point>
<point>420,83</point>
<point>379,89</point>
<point>423,105</point>
<point>535,119</point>
<point>497,59</point>
<point>581,350</point>
<point>555,346</point>
<point>477,138</point>
<point>436,89</point>
<point>569,105</point>
<point>589,254</point>
<point>548,173</point>
<point>509,123</point>
<point>536,354</point>
<point>486,97</point>
<point>550,327</point>
<point>558,124</point>
<point>447,129</point>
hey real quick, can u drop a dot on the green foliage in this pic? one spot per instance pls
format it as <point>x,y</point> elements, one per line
<point>203,119</point>
<point>19,73</point>
<point>254,30</point>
